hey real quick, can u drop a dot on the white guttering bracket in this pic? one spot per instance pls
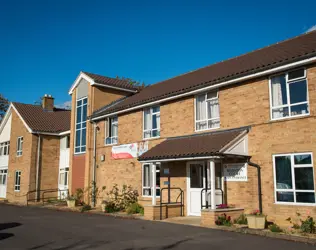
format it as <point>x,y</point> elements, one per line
<point>193,92</point>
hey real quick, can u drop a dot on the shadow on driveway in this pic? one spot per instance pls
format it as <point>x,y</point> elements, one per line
<point>4,226</point>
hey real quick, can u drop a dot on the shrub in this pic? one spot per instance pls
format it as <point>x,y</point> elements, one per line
<point>135,208</point>
<point>85,207</point>
<point>120,199</point>
<point>110,208</point>
<point>241,220</point>
<point>223,220</point>
<point>79,195</point>
<point>275,228</point>
<point>308,225</point>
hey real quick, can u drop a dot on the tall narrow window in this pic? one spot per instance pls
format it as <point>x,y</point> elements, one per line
<point>294,178</point>
<point>111,127</point>
<point>289,95</point>
<point>151,122</point>
<point>81,124</point>
<point>19,148</point>
<point>4,148</point>
<point>207,111</point>
<point>63,176</point>
<point>147,180</point>
<point>17,181</point>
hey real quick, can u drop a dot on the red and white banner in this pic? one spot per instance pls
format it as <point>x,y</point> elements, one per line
<point>125,151</point>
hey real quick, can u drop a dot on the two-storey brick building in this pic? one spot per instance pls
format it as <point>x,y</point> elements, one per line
<point>211,132</point>
<point>34,151</point>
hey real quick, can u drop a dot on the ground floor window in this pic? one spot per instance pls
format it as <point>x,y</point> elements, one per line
<point>3,176</point>
<point>63,176</point>
<point>147,180</point>
<point>294,178</point>
<point>17,181</point>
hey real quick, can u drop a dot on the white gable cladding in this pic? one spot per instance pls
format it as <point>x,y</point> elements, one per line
<point>82,89</point>
<point>240,147</point>
<point>5,133</point>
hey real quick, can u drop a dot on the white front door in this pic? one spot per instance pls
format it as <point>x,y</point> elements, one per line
<point>63,183</point>
<point>3,182</point>
<point>196,182</point>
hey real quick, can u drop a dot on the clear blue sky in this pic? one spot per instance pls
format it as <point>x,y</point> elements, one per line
<point>45,44</point>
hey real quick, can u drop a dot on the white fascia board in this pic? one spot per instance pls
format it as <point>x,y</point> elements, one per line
<point>25,124</point>
<point>55,134</point>
<point>112,87</point>
<point>182,159</point>
<point>216,86</point>
<point>5,118</point>
<point>78,79</point>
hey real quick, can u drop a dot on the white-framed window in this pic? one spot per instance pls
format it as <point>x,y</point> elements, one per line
<point>151,122</point>
<point>81,125</point>
<point>294,178</point>
<point>147,185</point>
<point>17,181</point>
<point>207,111</point>
<point>3,176</point>
<point>19,147</point>
<point>4,148</point>
<point>289,95</point>
<point>63,176</point>
<point>111,130</point>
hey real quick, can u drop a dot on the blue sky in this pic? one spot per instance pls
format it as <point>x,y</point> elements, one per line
<point>45,44</point>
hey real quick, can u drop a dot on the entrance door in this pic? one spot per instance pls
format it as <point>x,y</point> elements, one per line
<point>3,183</point>
<point>63,183</point>
<point>196,182</point>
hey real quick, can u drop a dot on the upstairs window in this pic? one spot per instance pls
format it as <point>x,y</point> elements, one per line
<point>294,178</point>
<point>111,130</point>
<point>81,125</point>
<point>151,122</point>
<point>19,147</point>
<point>4,148</point>
<point>207,111</point>
<point>289,95</point>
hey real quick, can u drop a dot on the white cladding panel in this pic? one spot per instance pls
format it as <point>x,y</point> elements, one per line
<point>240,147</point>
<point>5,134</point>
<point>82,89</point>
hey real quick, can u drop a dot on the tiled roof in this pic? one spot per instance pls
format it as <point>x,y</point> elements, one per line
<point>39,120</point>
<point>292,50</point>
<point>112,81</point>
<point>197,145</point>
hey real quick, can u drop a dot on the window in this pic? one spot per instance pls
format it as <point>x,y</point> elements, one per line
<point>81,124</point>
<point>17,181</point>
<point>68,141</point>
<point>294,178</point>
<point>4,148</point>
<point>147,180</point>
<point>19,148</point>
<point>207,111</point>
<point>63,176</point>
<point>152,122</point>
<point>289,95</point>
<point>111,132</point>
<point>3,176</point>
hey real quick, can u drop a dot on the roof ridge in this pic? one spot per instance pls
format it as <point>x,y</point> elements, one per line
<point>86,72</point>
<point>235,57</point>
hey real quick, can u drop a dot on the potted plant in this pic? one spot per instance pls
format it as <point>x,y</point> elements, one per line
<point>71,201</point>
<point>103,206</point>
<point>256,220</point>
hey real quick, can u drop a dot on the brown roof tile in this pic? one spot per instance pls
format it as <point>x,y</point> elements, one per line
<point>197,145</point>
<point>112,81</point>
<point>282,53</point>
<point>39,120</point>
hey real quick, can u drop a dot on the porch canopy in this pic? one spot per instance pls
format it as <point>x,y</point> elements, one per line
<point>229,145</point>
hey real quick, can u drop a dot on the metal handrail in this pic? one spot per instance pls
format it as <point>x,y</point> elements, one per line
<point>51,191</point>
<point>41,190</point>
<point>181,203</point>
<point>204,189</point>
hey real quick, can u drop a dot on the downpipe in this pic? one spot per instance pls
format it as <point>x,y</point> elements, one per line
<point>259,183</point>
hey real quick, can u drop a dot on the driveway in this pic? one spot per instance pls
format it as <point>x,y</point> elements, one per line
<point>39,228</point>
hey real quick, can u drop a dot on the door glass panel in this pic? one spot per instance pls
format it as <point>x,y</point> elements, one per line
<point>196,176</point>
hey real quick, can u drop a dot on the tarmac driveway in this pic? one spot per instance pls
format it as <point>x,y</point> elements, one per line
<point>38,228</point>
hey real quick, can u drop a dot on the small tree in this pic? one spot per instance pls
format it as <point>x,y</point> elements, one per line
<point>4,105</point>
<point>132,82</point>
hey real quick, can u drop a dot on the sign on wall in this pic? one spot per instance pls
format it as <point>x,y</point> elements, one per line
<point>235,172</point>
<point>125,151</point>
<point>142,147</point>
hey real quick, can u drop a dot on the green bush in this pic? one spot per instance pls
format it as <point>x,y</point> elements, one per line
<point>110,207</point>
<point>275,228</point>
<point>135,208</point>
<point>85,207</point>
<point>241,220</point>
<point>308,225</point>
<point>223,220</point>
<point>120,199</point>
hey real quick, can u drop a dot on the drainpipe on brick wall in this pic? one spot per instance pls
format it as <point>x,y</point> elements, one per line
<point>95,129</point>
<point>38,166</point>
<point>259,183</point>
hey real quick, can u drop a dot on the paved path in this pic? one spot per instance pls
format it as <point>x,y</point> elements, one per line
<point>38,228</point>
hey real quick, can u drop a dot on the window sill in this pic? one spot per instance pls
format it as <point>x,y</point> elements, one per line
<point>151,138</point>
<point>208,129</point>
<point>80,153</point>
<point>17,191</point>
<point>109,145</point>
<point>289,118</point>
<point>295,204</point>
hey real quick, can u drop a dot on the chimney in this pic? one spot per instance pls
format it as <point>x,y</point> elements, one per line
<point>48,102</point>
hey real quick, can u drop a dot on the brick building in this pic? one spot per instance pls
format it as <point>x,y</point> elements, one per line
<point>34,150</point>
<point>207,132</point>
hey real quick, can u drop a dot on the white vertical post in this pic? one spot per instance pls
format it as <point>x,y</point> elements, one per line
<point>212,167</point>
<point>153,167</point>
